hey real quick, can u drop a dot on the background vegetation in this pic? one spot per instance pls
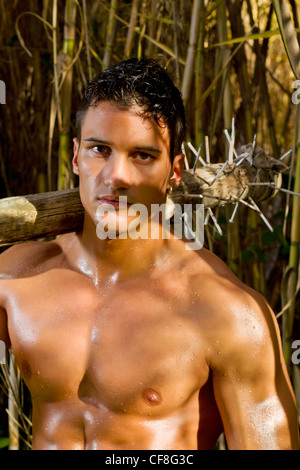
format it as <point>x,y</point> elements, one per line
<point>230,58</point>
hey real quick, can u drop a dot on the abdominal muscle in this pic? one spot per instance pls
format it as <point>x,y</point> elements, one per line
<point>75,425</point>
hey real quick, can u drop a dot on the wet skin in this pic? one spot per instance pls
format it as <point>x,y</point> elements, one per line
<point>140,344</point>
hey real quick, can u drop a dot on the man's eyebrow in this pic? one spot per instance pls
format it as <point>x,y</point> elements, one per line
<point>97,140</point>
<point>148,148</point>
<point>141,148</point>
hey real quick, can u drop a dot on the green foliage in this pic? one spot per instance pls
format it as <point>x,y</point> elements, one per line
<point>4,442</point>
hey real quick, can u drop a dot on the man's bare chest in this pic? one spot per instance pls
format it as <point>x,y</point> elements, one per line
<point>125,347</point>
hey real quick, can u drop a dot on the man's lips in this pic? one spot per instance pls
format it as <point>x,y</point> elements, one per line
<point>115,201</point>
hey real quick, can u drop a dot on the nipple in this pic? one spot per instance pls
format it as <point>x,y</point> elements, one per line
<point>152,397</point>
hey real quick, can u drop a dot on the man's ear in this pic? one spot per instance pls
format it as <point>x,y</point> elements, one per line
<point>75,156</point>
<point>177,169</point>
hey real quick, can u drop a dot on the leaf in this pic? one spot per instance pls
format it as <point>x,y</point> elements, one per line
<point>247,254</point>
<point>254,37</point>
<point>4,442</point>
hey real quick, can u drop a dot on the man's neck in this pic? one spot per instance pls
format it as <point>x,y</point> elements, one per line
<point>116,259</point>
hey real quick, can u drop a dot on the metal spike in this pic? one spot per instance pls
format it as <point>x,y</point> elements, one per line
<point>215,221</point>
<point>206,218</point>
<point>241,159</point>
<point>285,155</point>
<point>229,141</point>
<point>244,202</point>
<point>219,173</point>
<point>256,209</point>
<point>207,153</point>
<point>272,185</point>
<point>261,215</point>
<point>231,147</point>
<point>186,163</point>
<point>196,159</point>
<point>234,212</point>
<point>285,190</point>
<point>196,153</point>
<point>186,195</point>
<point>182,196</point>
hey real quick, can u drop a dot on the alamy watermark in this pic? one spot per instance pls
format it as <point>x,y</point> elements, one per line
<point>2,92</point>
<point>296,94</point>
<point>134,221</point>
<point>296,354</point>
<point>2,353</point>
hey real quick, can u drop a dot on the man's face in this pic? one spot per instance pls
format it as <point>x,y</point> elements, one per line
<point>123,154</point>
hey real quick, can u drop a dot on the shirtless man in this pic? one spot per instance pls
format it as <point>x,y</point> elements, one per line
<point>140,344</point>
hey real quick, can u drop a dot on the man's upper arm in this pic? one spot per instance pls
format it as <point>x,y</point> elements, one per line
<point>251,384</point>
<point>12,263</point>
<point>4,337</point>
<point>5,273</point>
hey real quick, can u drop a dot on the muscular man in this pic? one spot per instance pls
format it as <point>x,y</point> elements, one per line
<point>139,343</point>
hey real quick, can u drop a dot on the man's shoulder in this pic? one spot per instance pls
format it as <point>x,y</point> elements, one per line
<point>235,319</point>
<point>224,294</point>
<point>26,259</point>
<point>207,269</point>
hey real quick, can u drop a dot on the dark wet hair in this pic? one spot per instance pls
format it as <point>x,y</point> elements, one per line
<point>141,82</point>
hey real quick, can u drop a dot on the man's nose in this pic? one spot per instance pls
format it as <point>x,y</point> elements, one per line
<point>118,172</point>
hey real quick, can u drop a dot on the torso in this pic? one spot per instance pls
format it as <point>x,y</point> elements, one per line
<point>121,366</point>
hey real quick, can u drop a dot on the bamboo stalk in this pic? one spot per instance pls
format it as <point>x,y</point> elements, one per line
<point>167,50</point>
<point>200,122</point>
<point>191,53</point>
<point>64,170</point>
<point>288,34</point>
<point>175,42</point>
<point>55,62</point>
<point>87,41</point>
<point>260,73</point>
<point>131,28</point>
<point>293,266</point>
<point>151,49</point>
<point>111,29</point>
<point>142,29</point>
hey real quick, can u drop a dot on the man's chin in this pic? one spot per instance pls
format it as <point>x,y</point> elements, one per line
<point>121,227</point>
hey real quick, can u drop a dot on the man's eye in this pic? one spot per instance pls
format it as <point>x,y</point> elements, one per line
<point>145,157</point>
<point>101,150</point>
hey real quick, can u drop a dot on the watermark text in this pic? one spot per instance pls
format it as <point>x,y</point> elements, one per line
<point>2,92</point>
<point>296,354</point>
<point>296,94</point>
<point>135,221</point>
<point>2,353</point>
